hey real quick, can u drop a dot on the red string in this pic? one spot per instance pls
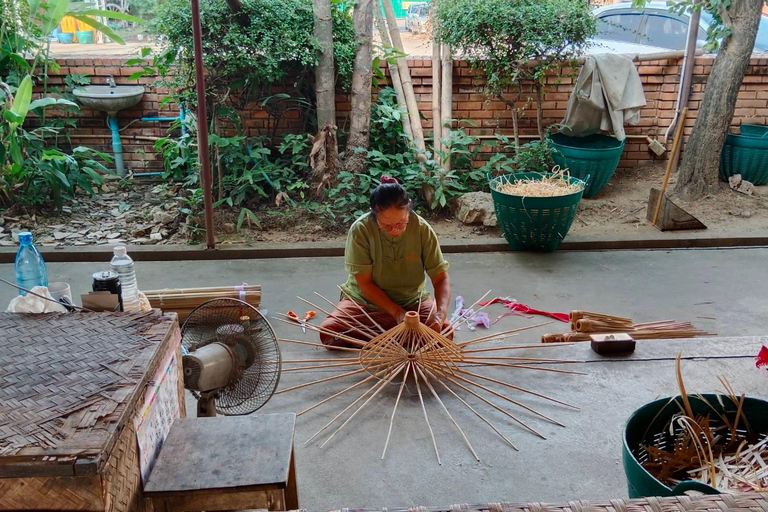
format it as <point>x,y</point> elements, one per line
<point>524,308</point>
<point>762,358</point>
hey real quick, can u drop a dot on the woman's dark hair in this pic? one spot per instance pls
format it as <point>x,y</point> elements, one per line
<point>388,194</point>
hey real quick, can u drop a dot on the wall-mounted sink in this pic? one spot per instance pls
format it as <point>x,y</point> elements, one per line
<point>109,99</point>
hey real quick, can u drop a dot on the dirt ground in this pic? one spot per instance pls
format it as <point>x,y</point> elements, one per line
<point>148,214</point>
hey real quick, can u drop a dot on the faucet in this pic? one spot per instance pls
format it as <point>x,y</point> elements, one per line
<point>111,81</point>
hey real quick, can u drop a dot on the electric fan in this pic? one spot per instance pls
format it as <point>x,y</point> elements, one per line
<point>231,357</point>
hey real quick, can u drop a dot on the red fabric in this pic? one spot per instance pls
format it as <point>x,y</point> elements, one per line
<point>762,358</point>
<point>524,308</point>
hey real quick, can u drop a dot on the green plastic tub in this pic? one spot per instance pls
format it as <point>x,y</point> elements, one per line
<point>753,130</point>
<point>84,36</point>
<point>596,156</point>
<point>534,223</point>
<point>745,155</point>
<point>650,425</point>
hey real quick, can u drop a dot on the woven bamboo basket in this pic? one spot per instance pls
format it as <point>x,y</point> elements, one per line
<point>89,372</point>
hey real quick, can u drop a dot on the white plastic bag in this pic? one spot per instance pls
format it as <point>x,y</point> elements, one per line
<point>31,304</point>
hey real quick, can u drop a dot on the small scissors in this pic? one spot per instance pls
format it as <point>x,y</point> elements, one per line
<point>307,316</point>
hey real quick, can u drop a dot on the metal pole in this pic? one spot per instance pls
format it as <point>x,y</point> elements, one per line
<point>202,126</point>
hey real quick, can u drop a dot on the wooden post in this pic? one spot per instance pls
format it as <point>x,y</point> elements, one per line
<point>394,72</point>
<point>446,95</point>
<point>437,120</point>
<point>202,127</point>
<point>405,76</point>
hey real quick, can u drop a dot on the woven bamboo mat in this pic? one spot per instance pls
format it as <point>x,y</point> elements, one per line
<point>753,502</point>
<point>66,379</point>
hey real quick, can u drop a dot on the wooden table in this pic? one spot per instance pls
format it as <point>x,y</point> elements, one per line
<point>226,463</point>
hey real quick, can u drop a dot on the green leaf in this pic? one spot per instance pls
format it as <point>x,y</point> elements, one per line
<point>115,15</point>
<point>12,117</point>
<point>21,101</point>
<point>46,102</point>
<point>101,27</point>
<point>54,13</point>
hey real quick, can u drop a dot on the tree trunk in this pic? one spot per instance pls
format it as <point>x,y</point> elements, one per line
<point>325,87</point>
<point>539,114</point>
<point>699,169</point>
<point>394,72</point>
<point>360,117</point>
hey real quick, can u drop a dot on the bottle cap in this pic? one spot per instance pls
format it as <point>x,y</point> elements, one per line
<point>25,236</point>
<point>120,250</point>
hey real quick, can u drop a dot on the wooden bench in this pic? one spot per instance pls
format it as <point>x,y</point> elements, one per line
<point>226,463</point>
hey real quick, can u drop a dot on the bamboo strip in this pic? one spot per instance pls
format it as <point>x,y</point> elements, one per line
<point>319,345</point>
<point>500,409</point>
<point>319,381</point>
<point>327,360</point>
<point>524,367</point>
<point>326,400</point>
<point>362,309</point>
<point>492,336</point>
<point>437,397</point>
<point>487,422</point>
<point>376,386</point>
<point>392,375</point>
<point>326,313</point>
<point>317,367</point>
<point>394,411</point>
<point>426,418</point>
<point>360,325</point>
<point>204,289</point>
<point>519,388</point>
<point>320,330</point>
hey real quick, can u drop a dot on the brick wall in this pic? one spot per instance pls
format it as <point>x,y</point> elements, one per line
<point>660,79</point>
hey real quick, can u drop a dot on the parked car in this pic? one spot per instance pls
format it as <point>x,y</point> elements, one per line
<point>654,28</point>
<point>416,17</point>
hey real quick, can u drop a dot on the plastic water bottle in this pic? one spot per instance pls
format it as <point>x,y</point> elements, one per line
<point>126,270</point>
<point>30,266</point>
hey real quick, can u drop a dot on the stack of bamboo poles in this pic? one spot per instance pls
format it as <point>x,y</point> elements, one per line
<point>412,354</point>
<point>586,323</point>
<point>183,300</point>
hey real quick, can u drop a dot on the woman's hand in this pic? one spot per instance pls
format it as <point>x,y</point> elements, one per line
<point>437,324</point>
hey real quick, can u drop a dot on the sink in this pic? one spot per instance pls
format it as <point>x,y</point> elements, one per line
<point>109,99</point>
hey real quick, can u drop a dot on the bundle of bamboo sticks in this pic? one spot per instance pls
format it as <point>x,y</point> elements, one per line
<point>586,323</point>
<point>183,300</point>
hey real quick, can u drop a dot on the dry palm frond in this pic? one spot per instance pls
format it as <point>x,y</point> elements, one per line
<point>558,183</point>
<point>412,353</point>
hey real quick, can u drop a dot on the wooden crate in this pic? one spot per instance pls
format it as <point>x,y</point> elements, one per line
<point>72,386</point>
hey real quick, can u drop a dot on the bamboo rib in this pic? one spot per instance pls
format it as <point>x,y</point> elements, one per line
<point>524,367</point>
<point>519,388</point>
<point>392,375</point>
<point>511,400</point>
<point>394,411</point>
<point>376,386</point>
<point>326,313</point>
<point>360,325</point>
<point>498,408</point>
<point>496,335</point>
<point>487,422</point>
<point>319,345</point>
<point>322,330</point>
<point>426,418</point>
<point>327,360</point>
<point>513,358</point>
<point>319,381</point>
<point>319,366</point>
<point>350,388</point>
<point>437,397</point>
<point>362,310</point>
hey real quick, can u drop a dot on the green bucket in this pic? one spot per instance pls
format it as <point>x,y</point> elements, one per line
<point>595,155</point>
<point>84,36</point>
<point>649,425</point>
<point>753,130</point>
<point>534,223</point>
<point>746,155</point>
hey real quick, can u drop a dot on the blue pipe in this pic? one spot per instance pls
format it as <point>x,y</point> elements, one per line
<point>117,145</point>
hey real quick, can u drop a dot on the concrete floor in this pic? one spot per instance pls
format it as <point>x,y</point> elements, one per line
<point>714,289</point>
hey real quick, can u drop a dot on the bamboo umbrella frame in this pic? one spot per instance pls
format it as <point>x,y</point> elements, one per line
<point>412,352</point>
